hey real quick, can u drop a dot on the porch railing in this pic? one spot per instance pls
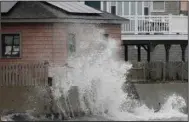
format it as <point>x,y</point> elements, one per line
<point>23,74</point>
<point>156,24</point>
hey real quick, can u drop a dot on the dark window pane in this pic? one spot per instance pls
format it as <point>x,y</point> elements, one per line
<point>8,40</point>
<point>146,11</point>
<point>16,41</point>
<point>113,10</point>
<point>15,53</point>
<point>94,4</point>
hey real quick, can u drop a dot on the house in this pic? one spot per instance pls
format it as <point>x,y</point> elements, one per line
<point>39,31</point>
<point>155,22</point>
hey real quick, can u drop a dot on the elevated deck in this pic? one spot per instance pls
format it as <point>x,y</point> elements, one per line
<point>156,27</point>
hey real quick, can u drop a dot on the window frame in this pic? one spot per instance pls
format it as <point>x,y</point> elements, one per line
<point>68,48</point>
<point>154,10</point>
<point>20,45</point>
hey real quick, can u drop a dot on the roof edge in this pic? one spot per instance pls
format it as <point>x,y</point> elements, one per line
<point>62,20</point>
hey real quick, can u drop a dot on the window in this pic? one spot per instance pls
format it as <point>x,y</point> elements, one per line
<point>94,4</point>
<point>146,11</point>
<point>71,44</point>
<point>113,10</point>
<point>10,45</point>
<point>158,6</point>
<point>105,36</point>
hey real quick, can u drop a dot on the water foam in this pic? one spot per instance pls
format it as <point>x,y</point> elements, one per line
<point>99,73</point>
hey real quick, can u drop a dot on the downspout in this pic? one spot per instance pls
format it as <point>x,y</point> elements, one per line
<point>0,33</point>
<point>188,38</point>
<point>0,54</point>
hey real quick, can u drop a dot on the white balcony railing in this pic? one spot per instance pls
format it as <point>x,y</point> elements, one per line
<point>162,24</point>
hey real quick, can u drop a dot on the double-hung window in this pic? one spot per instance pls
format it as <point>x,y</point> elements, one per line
<point>10,46</point>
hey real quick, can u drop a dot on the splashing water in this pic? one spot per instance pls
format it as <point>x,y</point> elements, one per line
<point>99,73</point>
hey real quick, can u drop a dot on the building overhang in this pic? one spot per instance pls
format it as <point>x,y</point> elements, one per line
<point>74,20</point>
<point>155,39</point>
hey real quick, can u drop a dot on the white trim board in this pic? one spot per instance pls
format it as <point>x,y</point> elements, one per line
<point>154,37</point>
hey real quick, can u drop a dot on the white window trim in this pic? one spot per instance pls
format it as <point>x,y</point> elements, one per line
<point>152,8</point>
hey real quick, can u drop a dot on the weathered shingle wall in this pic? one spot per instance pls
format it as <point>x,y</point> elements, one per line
<point>171,7</point>
<point>114,31</point>
<point>36,40</point>
<point>48,42</point>
<point>158,54</point>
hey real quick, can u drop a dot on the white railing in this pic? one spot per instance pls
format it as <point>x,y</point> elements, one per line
<point>162,24</point>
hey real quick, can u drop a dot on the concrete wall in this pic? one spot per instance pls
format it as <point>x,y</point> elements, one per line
<point>151,94</point>
<point>22,99</point>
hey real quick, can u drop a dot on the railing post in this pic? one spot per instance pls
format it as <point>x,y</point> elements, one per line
<point>182,77</point>
<point>170,23</point>
<point>164,70</point>
<point>0,33</point>
<point>136,25</point>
